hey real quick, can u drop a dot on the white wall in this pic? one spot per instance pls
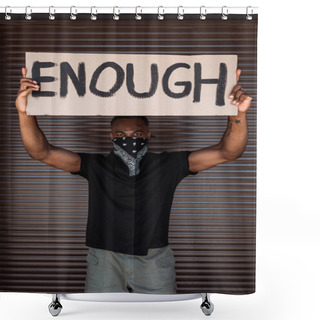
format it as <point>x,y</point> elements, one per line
<point>288,180</point>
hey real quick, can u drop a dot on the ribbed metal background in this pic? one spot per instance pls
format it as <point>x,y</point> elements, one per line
<point>44,210</point>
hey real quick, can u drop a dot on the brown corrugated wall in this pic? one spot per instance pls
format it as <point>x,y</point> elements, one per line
<point>44,210</point>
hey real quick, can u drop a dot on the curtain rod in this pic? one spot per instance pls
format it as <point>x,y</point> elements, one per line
<point>117,10</point>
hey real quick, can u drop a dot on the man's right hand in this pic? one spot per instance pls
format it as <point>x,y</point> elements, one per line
<point>26,86</point>
<point>34,140</point>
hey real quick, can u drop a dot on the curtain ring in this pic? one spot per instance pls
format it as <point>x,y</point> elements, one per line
<point>203,13</point>
<point>116,14</point>
<point>6,10</point>
<point>160,15</point>
<point>224,13</point>
<point>52,12</point>
<point>93,16</point>
<point>249,15</point>
<point>138,16</point>
<point>73,13</point>
<point>180,13</point>
<point>28,13</point>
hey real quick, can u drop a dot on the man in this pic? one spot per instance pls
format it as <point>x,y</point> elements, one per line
<point>130,194</point>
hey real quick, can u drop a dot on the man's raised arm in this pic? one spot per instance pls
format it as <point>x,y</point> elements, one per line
<point>33,138</point>
<point>234,140</point>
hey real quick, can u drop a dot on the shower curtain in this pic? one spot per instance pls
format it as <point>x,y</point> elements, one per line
<point>44,210</point>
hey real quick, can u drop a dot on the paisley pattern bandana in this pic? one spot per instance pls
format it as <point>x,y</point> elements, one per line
<point>131,150</point>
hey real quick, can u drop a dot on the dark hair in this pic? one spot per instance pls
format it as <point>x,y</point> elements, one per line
<point>143,118</point>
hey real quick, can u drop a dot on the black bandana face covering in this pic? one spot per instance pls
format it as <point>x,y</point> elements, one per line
<point>131,150</point>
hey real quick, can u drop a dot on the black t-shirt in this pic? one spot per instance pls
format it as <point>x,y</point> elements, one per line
<point>131,214</point>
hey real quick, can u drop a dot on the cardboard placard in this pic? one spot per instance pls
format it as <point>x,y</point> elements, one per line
<point>131,84</point>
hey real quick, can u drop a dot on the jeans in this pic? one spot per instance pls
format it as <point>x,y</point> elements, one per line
<point>110,271</point>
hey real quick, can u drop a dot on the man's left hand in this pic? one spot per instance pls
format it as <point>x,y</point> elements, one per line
<point>239,97</point>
